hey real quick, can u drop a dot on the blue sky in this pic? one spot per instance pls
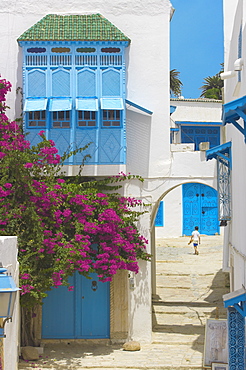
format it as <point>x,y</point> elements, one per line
<point>196,42</point>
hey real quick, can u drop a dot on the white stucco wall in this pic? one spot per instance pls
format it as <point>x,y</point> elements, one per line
<point>234,16</point>
<point>8,257</point>
<point>196,110</point>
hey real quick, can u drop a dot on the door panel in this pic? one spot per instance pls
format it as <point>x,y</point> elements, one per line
<point>200,209</point>
<point>81,313</point>
<point>95,306</point>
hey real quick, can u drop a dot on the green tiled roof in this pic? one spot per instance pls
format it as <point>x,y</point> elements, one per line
<point>93,27</point>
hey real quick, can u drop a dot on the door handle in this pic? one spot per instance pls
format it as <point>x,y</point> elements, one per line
<point>94,285</point>
<point>203,212</point>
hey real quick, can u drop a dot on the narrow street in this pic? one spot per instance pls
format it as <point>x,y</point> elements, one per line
<point>189,290</point>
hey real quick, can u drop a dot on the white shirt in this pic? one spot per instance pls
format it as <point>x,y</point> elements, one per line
<point>195,235</point>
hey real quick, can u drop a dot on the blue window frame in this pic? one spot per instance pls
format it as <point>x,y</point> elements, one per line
<point>111,118</point>
<point>86,118</point>
<point>198,134</point>
<point>61,119</point>
<point>159,219</point>
<point>67,93</point>
<point>36,119</point>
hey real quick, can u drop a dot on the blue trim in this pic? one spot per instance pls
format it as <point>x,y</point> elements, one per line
<point>87,104</point>
<point>237,299</point>
<point>195,123</point>
<point>233,111</point>
<point>138,107</point>
<point>112,104</point>
<point>60,104</point>
<point>220,151</point>
<point>229,109</point>
<point>172,109</point>
<point>35,104</point>
<point>172,129</point>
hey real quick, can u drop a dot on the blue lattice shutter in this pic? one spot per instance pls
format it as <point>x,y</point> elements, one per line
<point>213,136</point>
<point>84,137</point>
<point>111,81</point>
<point>36,83</point>
<point>61,82</point>
<point>236,339</point>
<point>86,83</point>
<point>62,139</point>
<point>110,146</point>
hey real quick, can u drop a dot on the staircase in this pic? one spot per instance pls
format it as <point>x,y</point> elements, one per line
<point>189,290</point>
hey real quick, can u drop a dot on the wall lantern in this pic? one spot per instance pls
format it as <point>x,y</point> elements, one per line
<point>8,292</point>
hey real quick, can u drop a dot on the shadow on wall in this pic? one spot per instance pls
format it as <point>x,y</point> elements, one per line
<point>141,299</point>
<point>138,126</point>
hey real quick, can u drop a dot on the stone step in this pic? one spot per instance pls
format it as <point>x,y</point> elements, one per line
<point>181,319</point>
<point>183,307</point>
<point>185,339</point>
<point>187,281</point>
<point>191,295</point>
<point>187,268</point>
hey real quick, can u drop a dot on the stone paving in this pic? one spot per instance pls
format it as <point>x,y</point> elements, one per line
<point>189,290</point>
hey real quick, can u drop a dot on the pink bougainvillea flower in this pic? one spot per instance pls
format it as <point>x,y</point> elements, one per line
<point>28,165</point>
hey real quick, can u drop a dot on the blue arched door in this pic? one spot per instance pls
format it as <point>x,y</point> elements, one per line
<point>81,313</point>
<point>200,208</point>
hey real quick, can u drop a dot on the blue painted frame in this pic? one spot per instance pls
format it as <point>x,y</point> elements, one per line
<point>234,111</point>
<point>198,137</point>
<point>45,62</point>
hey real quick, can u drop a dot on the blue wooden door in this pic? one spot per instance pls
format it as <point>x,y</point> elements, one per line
<point>81,313</point>
<point>200,208</point>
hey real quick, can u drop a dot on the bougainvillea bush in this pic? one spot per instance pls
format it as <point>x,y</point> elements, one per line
<point>63,225</point>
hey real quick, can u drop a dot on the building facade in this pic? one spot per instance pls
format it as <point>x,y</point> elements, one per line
<point>232,178</point>
<point>195,125</point>
<point>98,84</point>
<point>107,83</point>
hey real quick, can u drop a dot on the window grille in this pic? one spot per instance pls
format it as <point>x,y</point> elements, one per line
<point>111,118</point>
<point>113,60</point>
<point>61,119</point>
<point>36,60</point>
<point>63,60</point>
<point>37,119</point>
<point>86,118</point>
<point>224,188</point>
<point>222,154</point>
<point>89,60</point>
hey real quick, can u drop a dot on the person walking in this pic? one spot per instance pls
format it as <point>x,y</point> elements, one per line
<point>195,239</point>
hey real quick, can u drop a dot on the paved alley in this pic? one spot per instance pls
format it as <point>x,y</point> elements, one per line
<point>189,290</point>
